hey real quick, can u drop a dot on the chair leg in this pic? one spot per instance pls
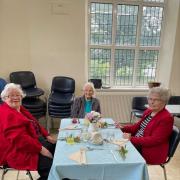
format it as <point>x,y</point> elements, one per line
<point>131,117</point>
<point>6,170</point>
<point>30,175</point>
<point>17,175</point>
<point>52,123</point>
<point>164,171</point>
<point>3,173</point>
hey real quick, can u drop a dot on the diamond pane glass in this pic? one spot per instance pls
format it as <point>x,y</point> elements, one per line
<point>100,64</point>
<point>127,16</point>
<point>100,23</point>
<point>124,65</point>
<point>147,65</point>
<point>151,26</point>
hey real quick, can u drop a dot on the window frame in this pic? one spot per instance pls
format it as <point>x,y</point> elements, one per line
<point>136,47</point>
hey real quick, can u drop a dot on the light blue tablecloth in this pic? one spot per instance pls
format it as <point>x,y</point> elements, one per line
<point>101,164</point>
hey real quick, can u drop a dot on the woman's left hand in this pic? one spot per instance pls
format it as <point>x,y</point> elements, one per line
<point>51,139</point>
<point>127,136</point>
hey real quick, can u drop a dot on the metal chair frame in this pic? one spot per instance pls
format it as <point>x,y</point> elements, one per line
<point>6,169</point>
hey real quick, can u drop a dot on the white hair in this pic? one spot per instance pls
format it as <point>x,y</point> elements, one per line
<point>89,84</point>
<point>9,87</point>
<point>163,93</point>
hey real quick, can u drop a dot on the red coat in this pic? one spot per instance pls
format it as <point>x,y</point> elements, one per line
<point>155,143</point>
<point>19,145</point>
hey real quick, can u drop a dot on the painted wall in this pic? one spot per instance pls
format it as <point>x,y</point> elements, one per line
<point>175,80</point>
<point>48,38</point>
<point>45,36</point>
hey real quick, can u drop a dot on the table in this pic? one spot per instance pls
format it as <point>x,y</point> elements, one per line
<point>101,165</point>
<point>173,109</point>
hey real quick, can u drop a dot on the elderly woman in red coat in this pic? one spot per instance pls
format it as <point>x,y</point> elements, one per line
<point>151,134</point>
<point>25,145</point>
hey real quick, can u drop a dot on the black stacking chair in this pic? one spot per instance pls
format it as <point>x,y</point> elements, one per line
<point>36,106</point>
<point>175,100</point>
<point>32,101</point>
<point>173,144</point>
<point>97,83</point>
<point>61,97</point>
<point>2,84</point>
<point>27,81</point>
<point>138,107</point>
<point>7,168</point>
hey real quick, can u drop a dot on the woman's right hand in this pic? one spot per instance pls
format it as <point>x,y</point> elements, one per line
<point>45,152</point>
<point>118,125</point>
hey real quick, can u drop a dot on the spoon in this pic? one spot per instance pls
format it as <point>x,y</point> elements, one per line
<point>91,148</point>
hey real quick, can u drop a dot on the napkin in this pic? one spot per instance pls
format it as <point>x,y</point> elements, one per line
<point>119,142</point>
<point>79,156</point>
<point>71,127</point>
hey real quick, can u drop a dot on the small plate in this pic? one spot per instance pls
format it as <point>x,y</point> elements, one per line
<point>96,143</point>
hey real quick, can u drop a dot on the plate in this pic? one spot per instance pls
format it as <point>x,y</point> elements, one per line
<point>96,143</point>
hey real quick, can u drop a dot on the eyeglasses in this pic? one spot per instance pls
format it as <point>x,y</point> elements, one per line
<point>14,96</point>
<point>154,99</point>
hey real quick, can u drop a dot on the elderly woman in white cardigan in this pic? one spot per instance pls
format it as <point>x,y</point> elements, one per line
<point>86,103</point>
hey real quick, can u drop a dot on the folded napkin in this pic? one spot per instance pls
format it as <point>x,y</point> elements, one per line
<point>79,156</point>
<point>71,127</point>
<point>119,142</point>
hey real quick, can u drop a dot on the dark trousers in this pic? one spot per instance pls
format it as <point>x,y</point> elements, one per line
<point>44,163</point>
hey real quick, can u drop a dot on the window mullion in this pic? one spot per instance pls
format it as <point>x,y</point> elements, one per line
<point>112,71</point>
<point>137,45</point>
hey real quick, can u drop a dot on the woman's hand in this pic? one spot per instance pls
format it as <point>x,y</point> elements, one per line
<point>51,139</point>
<point>118,125</point>
<point>127,136</point>
<point>45,152</point>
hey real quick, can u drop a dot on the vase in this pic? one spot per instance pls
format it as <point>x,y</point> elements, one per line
<point>93,127</point>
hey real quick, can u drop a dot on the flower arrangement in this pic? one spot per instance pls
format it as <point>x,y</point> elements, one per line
<point>93,117</point>
<point>123,151</point>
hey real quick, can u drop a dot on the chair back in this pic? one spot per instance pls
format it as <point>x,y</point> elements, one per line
<point>63,84</point>
<point>97,83</point>
<point>25,78</point>
<point>138,102</point>
<point>174,100</point>
<point>2,84</point>
<point>174,141</point>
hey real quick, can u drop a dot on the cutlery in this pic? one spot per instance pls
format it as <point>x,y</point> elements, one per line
<point>92,148</point>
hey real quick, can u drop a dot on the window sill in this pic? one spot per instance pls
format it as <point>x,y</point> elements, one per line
<point>125,89</point>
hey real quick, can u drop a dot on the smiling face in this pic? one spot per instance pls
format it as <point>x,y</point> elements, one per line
<point>155,102</point>
<point>14,99</point>
<point>88,92</point>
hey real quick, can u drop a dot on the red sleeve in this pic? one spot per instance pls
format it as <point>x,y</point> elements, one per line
<point>20,134</point>
<point>134,128</point>
<point>156,132</point>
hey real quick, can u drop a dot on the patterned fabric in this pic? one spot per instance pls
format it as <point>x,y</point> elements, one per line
<point>36,127</point>
<point>140,132</point>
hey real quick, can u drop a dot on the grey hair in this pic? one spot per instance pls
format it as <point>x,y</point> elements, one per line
<point>89,84</point>
<point>163,93</point>
<point>9,87</point>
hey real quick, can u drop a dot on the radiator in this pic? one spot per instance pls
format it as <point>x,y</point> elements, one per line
<point>116,106</point>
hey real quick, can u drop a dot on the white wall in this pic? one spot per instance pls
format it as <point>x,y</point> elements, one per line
<point>45,36</point>
<point>175,76</point>
<point>48,38</point>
